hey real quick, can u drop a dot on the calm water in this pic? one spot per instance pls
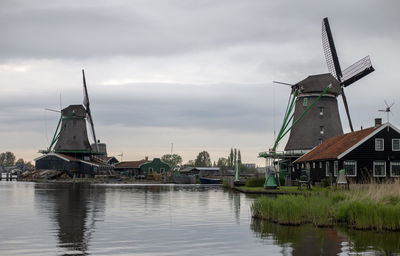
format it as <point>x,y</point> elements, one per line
<point>76,219</point>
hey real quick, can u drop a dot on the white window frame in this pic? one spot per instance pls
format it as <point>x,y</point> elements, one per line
<point>379,163</point>
<point>394,149</point>
<point>335,168</point>
<point>321,130</point>
<point>383,144</point>
<point>321,111</point>
<point>391,167</point>
<point>327,169</point>
<point>320,165</point>
<point>298,166</point>
<point>355,167</point>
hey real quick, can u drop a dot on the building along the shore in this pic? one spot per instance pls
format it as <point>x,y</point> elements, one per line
<point>372,153</point>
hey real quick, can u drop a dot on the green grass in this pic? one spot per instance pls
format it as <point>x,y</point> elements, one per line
<point>329,208</point>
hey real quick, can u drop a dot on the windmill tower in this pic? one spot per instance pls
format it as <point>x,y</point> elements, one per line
<point>323,120</point>
<point>71,137</point>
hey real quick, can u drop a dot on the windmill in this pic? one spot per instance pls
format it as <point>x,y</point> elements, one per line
<point>348,76</point>
<point>71,136</point>
<point>387,110</point>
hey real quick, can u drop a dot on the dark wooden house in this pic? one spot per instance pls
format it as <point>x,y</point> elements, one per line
<point>131,168</point>
<point>71,165</point>
<point>368,153</point>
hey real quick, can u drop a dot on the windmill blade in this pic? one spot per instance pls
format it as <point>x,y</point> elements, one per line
<point>53,110</point>
<point>86,103</point>
<point>347,110</point>
<point>357,71</point>
<point>330,51</point>
<point>387,105</point>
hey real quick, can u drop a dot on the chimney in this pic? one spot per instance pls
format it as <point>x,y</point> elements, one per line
<point>378,122</point>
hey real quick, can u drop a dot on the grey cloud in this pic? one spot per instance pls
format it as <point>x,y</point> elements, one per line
<point>168,27</point>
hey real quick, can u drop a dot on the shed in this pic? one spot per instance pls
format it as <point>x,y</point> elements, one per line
<point>154,166</point>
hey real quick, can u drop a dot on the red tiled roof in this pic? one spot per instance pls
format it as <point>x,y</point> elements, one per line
<point>333,147</point>
<point>131,164</point>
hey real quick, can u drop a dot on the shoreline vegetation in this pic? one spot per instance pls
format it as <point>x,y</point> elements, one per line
<point>374,206</point>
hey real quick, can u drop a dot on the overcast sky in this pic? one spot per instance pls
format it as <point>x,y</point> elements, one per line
<point>196,73</point>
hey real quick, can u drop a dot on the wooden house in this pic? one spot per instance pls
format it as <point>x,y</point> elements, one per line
<point>368,153</point>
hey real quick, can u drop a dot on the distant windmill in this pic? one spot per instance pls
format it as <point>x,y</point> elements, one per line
<point>351,74</point>
<point>387,110</point>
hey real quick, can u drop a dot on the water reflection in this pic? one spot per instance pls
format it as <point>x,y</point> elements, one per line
<point>308,240</point>
<point>74,208</point>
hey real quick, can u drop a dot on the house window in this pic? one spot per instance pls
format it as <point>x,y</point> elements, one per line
<point>335,168</point>
<point>320,141</point>
<point>150,169</point>
<point>305,102</point>
<point>297,166</point>
<point>379,168</point>
<point>320,165</point>
<point>313,165</point>
<point>396,144</point>
<point>321,130</point>
<point>350,168</point>
<point>321,111</point>
<point>395,169</point>
<point>379,144</point>
<point>327,167</point>
<point>302,165</point>
<point>162,170</point>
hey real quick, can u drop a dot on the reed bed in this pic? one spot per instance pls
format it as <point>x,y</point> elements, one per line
<point>373,206</point>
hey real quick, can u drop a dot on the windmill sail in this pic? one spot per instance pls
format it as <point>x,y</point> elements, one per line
<point>357,71</point>
<point>86,103</point>
<point>331,57</point>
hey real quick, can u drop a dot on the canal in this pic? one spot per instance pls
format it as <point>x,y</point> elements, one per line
<point>82,219</point>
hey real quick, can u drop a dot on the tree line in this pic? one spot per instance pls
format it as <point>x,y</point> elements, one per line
<point>8,159</point>
<point>203,159</point>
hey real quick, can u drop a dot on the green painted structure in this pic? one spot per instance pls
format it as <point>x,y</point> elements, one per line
<point>154,166</point>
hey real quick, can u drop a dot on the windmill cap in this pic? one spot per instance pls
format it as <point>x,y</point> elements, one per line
<point>318,83</point>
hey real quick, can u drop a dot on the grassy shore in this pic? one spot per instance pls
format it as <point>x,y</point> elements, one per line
<point>373,206</point>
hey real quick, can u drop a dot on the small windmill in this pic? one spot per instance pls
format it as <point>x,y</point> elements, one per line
<point>348,76</point>
<point>387,110</point>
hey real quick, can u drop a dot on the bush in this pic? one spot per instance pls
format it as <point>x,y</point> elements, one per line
<point>255,182</point>
<point>325,183</point>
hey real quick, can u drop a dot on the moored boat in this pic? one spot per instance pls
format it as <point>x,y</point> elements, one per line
<point>210,181</point>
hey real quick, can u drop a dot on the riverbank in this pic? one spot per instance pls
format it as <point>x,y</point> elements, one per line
<point>373,206</point>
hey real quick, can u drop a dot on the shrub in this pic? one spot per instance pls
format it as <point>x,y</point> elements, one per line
<point>255,182</point>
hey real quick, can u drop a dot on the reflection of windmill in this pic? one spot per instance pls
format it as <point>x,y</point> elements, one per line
<point>387,110</point>
<point>351,74</point>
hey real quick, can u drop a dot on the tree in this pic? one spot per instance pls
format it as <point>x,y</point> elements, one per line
<point>20,161</point>
<point>223,162</point>
<point>231,158</point>
<point>172,160</point>
<point>203,159</point>
<point>190,163</point>
<point>239,157</point>
<point>234,157</point>
<point>7,159</point>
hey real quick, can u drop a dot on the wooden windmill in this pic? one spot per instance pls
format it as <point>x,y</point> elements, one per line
<point>323,121</point>
<point>71,137</point>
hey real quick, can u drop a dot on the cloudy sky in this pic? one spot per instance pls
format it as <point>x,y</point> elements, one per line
<point>195,73</point>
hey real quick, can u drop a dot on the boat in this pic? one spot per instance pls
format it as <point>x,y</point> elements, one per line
<point>210,181</point>
<point>184,179</point>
